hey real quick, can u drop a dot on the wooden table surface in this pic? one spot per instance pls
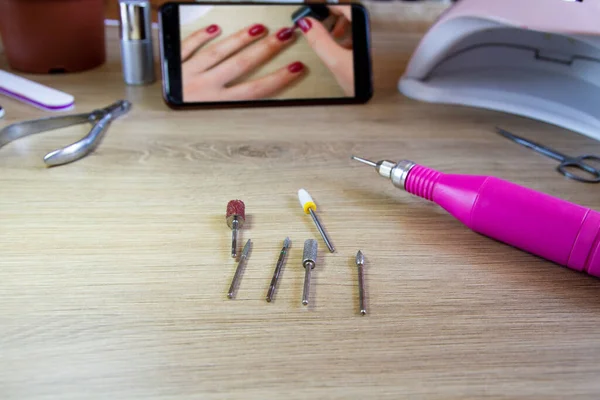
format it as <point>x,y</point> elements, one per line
<point>114,269</point>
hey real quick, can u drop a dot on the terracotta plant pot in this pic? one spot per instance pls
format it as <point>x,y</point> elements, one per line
<point>51,36</point>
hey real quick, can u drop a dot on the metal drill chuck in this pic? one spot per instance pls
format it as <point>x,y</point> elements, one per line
<point>396,172</point>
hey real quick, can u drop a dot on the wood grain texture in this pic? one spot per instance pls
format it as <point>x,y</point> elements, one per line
<point>114,269</point>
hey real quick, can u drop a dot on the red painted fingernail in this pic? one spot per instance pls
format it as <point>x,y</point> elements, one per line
<point>304,25</point>
<point>212,29</point>
<point>285,34</point>
<point>256,30</point>
<point>295,67</point>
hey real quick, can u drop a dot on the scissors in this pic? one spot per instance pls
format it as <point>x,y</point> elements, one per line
<point>577,163</point>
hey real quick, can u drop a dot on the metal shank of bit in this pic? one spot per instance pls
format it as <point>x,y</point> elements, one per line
<point>286,245</point>
<point>234,232</point>
<point>238,270</point>
<point>360,262</point>
<point>321,231</point>
<point>365,161</point>
<point>308,266</point>
<point>309,260</point>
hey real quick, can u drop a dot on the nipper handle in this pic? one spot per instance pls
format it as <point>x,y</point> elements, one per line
<point>100,119</point>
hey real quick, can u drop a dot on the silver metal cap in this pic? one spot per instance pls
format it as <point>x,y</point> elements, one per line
<point>400,172</point>
<point>136,20</point>
<point>310,252</point>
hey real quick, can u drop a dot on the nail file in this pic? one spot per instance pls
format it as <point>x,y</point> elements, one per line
<point>33,93</point>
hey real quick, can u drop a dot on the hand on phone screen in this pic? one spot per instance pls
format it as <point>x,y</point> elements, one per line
<point>333,48</point>
<point>208,69</point>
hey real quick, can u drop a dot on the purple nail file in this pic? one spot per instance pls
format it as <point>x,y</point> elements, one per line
<point>33,93</point>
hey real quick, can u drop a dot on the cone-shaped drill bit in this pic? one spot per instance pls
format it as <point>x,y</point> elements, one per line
<point>286,245</point>
<point>360,263</point>
<point>238,270</point>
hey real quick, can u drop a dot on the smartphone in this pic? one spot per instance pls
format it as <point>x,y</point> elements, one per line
<point>226,54</point>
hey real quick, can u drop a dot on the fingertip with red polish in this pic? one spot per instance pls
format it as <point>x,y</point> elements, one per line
<point>212,29</point>
<point>257,29</point>
<point>285,34</point>
<point>296,67</point>
<point>304,24</point>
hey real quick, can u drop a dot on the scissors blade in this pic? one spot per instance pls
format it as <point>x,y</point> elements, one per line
<point>547,151</point>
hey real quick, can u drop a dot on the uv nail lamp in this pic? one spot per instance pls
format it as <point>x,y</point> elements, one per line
<point>536,58</point>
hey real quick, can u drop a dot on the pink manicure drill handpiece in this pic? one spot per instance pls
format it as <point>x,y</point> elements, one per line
<point>562,232</point>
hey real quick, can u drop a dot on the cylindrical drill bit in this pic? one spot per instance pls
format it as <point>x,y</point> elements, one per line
<point>238,270</point>
<point>235,216</point>
<point>286,245</point>
<point>309,207</point>
<point>360,262</point>
<point>309,260</point>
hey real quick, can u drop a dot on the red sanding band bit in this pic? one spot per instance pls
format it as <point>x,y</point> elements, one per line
<point>236,216</point>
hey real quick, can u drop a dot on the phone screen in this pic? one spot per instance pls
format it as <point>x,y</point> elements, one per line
<point>257,53</point>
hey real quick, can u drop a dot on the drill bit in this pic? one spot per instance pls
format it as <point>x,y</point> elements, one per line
<point>309,207</point>
<point>309,260</point>
<point>360,262</point>
<point>238,270</point>
<point>235,217</point>
<point>364,161</point>
<point>286,245</point>
<point>396,172</point>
